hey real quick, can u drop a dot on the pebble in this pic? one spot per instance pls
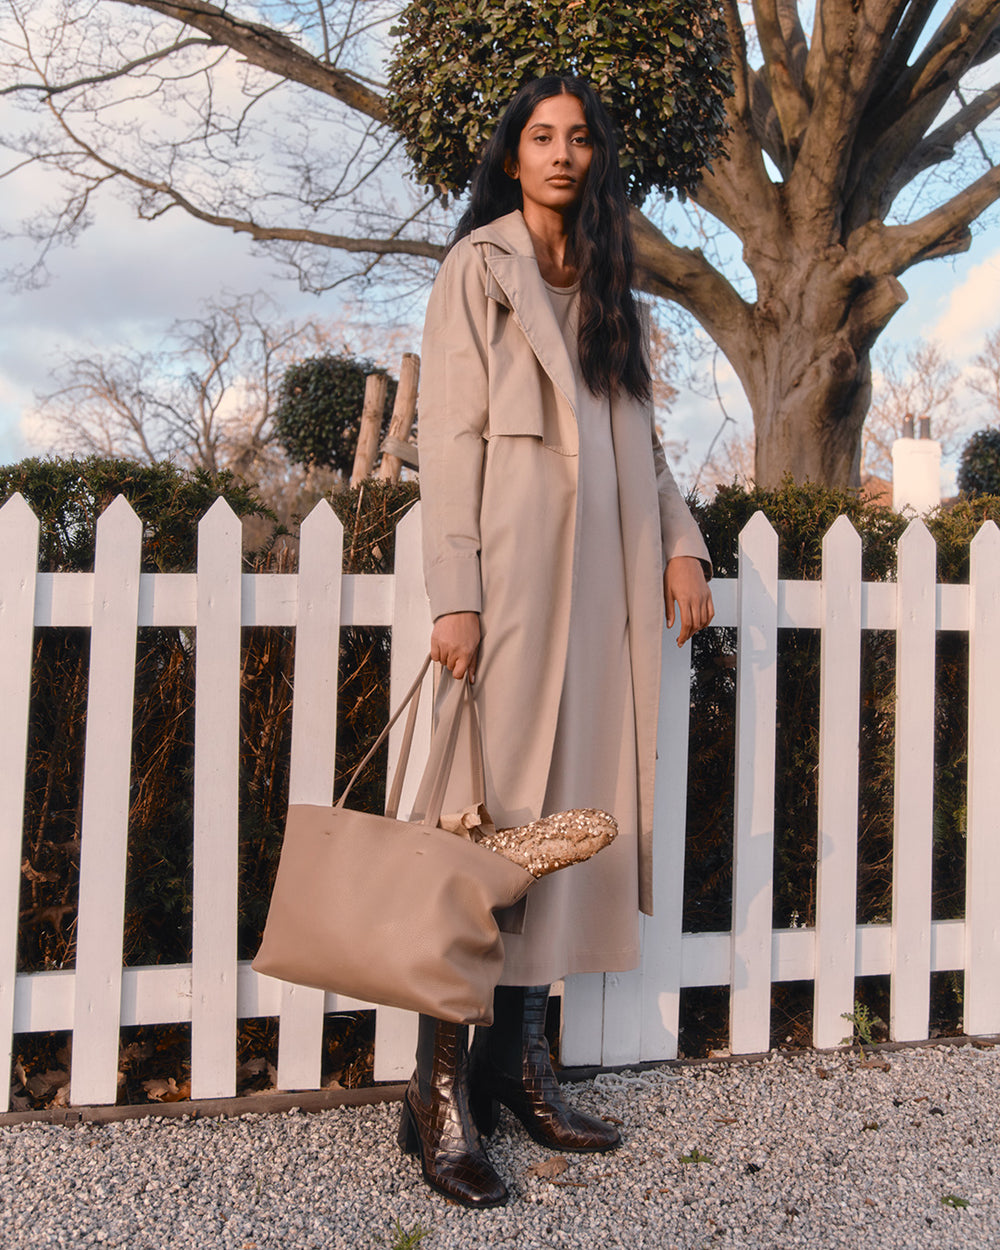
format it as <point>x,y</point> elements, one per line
<point>796,1150</point>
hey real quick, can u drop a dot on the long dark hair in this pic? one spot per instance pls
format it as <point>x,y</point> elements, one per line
<point>600,237</point>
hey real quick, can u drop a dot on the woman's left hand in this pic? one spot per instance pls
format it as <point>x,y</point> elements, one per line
<point>686,590</point>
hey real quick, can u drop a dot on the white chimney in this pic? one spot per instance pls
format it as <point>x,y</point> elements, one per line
<point>916,469</point>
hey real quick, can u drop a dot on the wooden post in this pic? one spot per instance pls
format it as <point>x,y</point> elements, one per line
<point>404,410</point>
<point>371,425</point>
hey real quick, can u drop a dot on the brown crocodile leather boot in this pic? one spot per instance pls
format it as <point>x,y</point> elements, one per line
<point>437,1125</point>
<point>509,1063</point>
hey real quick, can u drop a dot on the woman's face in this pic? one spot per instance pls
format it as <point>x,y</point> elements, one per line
<point>553,154</point>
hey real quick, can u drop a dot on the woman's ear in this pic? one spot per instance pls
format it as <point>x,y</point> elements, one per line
<point>510,168</point>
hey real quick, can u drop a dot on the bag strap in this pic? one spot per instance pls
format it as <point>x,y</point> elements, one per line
<point>411,698</point>
<point>430,796</point>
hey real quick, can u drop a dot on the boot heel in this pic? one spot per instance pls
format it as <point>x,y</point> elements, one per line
<point>407,1136</point>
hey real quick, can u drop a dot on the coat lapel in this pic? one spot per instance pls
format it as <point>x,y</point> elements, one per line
<point>510,259</point>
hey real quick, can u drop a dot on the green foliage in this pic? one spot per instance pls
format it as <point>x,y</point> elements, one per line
<point>158,908</point>
<point>695,1156</point>
<point>953,1200</point>
<point>318,415</point>
<point>864,1024</point>
<point>68,496</point>
<point>979,468</point>
<point>802,515</point>
<point>659,67</point>
<point>407,1238</point>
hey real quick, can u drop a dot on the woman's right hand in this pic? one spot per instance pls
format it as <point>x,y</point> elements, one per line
<point>455,643</point>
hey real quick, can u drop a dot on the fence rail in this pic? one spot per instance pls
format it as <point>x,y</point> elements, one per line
<point>612,1019</point>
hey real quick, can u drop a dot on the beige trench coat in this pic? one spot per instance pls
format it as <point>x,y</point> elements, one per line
<point>498,479</point>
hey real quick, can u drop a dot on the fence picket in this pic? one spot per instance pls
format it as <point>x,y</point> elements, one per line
<point>913,814</point>
<point>395,1030</point>
<point>216,799</point>
<point>612,1019</point>
<point>982,919</point>
<point>105,807</point>
<point>661,932</point>
<point>582,1019</point>
<point>19,539</point>
<point>313,748</point>
<point>753,857</point>
<point>837,842</point>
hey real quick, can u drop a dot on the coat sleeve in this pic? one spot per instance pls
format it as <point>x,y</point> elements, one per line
<point>454,406</point>
<point>678,531</point>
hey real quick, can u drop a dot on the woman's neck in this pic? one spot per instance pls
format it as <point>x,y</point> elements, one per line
<point>550,239</point>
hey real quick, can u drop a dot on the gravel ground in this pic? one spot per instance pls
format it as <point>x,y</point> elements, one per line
<point>804,1150</point>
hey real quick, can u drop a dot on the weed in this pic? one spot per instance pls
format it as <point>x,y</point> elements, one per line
<point>407,1238</point>
<point>953,1200</point>
<point>696,1157</point>
<point>864,1022</point>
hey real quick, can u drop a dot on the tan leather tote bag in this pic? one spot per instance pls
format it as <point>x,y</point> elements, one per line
<point>394,912</point>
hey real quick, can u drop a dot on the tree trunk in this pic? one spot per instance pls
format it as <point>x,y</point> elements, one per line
<point>801,352</point>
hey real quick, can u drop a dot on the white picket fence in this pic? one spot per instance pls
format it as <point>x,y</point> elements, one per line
<point>612,1019</point>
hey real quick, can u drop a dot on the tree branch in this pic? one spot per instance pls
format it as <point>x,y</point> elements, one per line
<point>940,144</point>
<point>897,54</point>
<point>392,245</point>
<point>269,50</point>
<point>848,43</point>
<point>748,122</point>
<point>684,275</point>
<point>943,232</point>
<point>920,91</point>
<point>789,102</point>
<point>48,90</point>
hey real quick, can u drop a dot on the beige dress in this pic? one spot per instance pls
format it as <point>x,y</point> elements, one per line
<point>585,918</point>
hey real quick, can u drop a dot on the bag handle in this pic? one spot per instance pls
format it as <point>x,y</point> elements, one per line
<point>411,698</point>
<point>430,796</point>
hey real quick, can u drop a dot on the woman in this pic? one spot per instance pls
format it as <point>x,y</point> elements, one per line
<point>553,534</point>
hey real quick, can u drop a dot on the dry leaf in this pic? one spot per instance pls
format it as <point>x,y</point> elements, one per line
<point>43,1084</point>
<point>547,1169</point>
<point>167,1091</point>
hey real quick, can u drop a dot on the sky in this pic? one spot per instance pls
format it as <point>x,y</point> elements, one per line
<point>125,281</point>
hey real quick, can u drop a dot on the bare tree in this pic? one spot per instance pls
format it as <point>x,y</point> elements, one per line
<point>984,379</point>
<point>923,384</point>
<point>204,399</point>
<point>855,152</point>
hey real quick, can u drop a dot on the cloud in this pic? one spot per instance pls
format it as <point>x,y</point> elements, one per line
<point>971,310</point>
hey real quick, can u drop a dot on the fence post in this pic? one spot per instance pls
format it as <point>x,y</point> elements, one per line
<point>982,890</point>
<point>837,841</point>
<point>313,749</point>
<point>753,853</point>
<point>661,932</point>
<point>216,804</point>
<point>19,542</point>
<point>372,410</point>
<point>104,816</point>
<point>913,808</point>
<point>396,1030</point>
<point>403,412</point>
